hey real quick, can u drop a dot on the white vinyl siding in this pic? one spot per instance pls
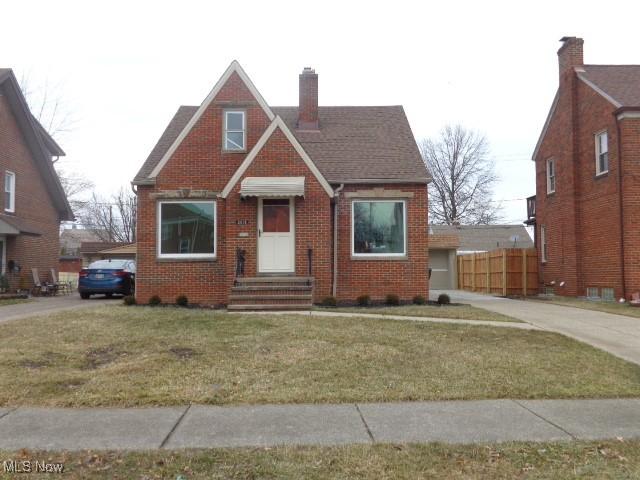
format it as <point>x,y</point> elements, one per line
<point>551,175</point>
<point>9,192</point>
<point>602,153</point>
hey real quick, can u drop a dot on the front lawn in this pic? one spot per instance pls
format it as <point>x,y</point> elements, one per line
<point>608,307</point>
<point>459,312</point>
<point>608,459</point>
<point>135,356</point>
<point>13,301</point>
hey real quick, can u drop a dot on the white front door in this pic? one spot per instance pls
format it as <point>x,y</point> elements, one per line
<point>276,236</point>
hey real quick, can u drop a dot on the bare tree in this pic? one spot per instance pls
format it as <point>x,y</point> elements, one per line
<point>113,218</point>
<point>463,178</point>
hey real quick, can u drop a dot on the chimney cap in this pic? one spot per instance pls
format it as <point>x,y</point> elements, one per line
<point>308,70</point>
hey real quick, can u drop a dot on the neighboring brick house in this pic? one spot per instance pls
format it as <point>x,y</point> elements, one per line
<point>236,184</point>
<point>33,202</point>
<point>585,210</point>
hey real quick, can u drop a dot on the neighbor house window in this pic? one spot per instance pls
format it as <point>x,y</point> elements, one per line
<point>543,243</point>
<point>379,228</point>
<point>9,192</point>
<point>551,175</point>
<point>234,130</point>
<point>602,153</point>
<point>187,229</point>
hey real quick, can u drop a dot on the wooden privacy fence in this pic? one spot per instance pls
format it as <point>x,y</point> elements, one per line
<point>506,272</point>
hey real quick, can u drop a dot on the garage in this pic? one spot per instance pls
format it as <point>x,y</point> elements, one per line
<point>442,261</point>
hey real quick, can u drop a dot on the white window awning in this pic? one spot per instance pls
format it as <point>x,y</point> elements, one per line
<point>272,187</point>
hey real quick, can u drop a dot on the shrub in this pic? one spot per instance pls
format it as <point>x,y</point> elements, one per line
<point>364,300</point>
<point>129,300</point>
<point>443,299</point>
<point>419,300</point>
<point>155,300</point>
<point>392,299</point>
<point>328,301</point>
<point>182,300</point>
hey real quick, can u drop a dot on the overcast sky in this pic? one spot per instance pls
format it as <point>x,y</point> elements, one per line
<point>123,68</point>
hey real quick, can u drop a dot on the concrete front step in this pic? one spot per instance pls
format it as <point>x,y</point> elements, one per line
<point>266,288</point>
<point>266,306</point>
<point>300,297</point>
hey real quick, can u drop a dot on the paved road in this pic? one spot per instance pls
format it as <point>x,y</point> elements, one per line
<point>269,425</point>
<point>46,305</point>
<point>616,334</point>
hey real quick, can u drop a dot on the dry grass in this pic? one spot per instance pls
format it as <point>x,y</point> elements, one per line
<point>459,312</point>
<point>135,356</point>
<point>608,307</point>
<point>13,301</point>
<point>580,460</point>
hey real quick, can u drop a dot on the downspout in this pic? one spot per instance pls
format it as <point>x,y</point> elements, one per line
<point>336,195</point>
<point>621,207</point>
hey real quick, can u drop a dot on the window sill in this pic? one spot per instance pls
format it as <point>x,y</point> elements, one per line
<point>185,260</point>
<point>598,176</point>
<point>551,194</point>
<point>376,258</point>
<point>234,151</point>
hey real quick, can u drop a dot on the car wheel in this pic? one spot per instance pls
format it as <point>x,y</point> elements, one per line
<point>85,295</point>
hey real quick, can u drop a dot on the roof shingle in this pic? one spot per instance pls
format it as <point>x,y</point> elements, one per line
<point>621,82</point>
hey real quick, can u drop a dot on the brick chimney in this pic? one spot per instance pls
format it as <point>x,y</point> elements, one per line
<point>570,54</point>
<point>308,103</point>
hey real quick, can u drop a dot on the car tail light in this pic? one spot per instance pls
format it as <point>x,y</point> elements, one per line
<point>83,273</point>
<point>119,273</point>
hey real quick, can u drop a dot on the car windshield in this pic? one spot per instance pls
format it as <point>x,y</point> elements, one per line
<point>110,264</point>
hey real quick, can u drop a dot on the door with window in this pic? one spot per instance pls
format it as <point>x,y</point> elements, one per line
<point>276,236</point>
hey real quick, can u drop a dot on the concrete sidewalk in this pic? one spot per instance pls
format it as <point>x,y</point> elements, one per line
<point>269,425</point>
<point>616,334</point>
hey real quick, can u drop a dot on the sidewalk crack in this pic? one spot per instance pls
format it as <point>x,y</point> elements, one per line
<point>173,429</point>
<point>573,437</point>
<point>373,440</point>
<point>11,410</point>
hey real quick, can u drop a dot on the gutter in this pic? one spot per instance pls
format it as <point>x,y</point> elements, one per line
<point>621,208</point>
<point>336,195</point>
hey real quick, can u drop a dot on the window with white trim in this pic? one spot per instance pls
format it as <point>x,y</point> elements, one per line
<point>187,229</point>
<point>234,130</point>
<point>378,228</point>
<point>9,192</point>
<point>602,153</point>
<point>543,243</point>
<point>551,175</point>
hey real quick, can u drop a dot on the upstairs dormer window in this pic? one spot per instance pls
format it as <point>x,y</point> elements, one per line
<point>9,192</point>
<point>602,153</point>
<point>235,130</point>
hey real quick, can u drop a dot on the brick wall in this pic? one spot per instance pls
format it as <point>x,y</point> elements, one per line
<point>33,204</point>
<point>630,145</point>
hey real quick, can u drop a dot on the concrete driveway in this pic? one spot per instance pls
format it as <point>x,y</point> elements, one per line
<point>46,305</point>
<point>616,334</point>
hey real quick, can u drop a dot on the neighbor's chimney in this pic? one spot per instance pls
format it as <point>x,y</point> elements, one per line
<point>308,104</point>
<point>570,54</point>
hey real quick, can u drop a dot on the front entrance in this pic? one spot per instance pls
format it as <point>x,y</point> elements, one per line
<point>276,235</point>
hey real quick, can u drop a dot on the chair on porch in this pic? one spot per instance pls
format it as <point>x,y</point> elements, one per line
<point>63,287</point>
<point>39,288</point>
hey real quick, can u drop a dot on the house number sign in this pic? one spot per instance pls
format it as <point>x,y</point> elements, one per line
<point>242,222</point>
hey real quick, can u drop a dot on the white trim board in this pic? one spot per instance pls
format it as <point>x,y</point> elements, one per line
<point>234,67</point>
<point>543,134</point>
<point>277,123</point>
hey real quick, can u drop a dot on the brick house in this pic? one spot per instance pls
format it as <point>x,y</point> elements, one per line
<point>249,205</point>
<point>33,202</point>
<point>587,189</point>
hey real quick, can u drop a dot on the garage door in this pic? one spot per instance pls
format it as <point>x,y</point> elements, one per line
<point>441,277</point>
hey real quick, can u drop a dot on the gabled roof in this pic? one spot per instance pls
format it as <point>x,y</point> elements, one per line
<point>42,146</point>
<point>233,68</point>
<point>484,238</point>
<point>352,145</point>
<point>620,83</point>
<point>276,124</point>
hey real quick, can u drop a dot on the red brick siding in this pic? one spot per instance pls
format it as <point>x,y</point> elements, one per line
<point>32,203</point>
<point>377,278</point>
<point>630,140</point>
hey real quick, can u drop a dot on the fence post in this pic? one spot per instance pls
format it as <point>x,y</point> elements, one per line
<point>524,272</point>
<point>504,272</point>
<point>473,272</point>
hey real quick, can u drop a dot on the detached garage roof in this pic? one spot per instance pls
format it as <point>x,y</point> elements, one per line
<point>484,238</point>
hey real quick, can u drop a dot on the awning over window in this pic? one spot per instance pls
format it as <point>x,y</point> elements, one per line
<point>272,187</point>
